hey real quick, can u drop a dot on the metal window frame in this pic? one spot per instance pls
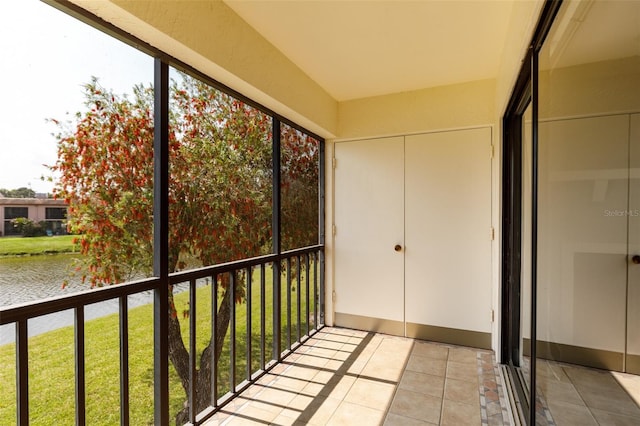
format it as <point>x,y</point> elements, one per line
<point>525,92</point>
<point>160,284</point>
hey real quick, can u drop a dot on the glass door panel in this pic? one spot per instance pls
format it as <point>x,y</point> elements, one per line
<point>632,364</point>
<point>588,292</point>
<point>525,268</point>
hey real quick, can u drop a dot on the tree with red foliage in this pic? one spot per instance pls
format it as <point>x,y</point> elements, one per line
<point>219,192</point>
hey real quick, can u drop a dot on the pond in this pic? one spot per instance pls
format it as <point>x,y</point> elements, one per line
<point>28,278</point>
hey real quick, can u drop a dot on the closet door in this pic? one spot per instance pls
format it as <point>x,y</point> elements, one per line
<point>448,236</point>
<point>369,238</point>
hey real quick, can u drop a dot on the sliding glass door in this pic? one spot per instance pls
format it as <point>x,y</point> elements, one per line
<point>571,217</point>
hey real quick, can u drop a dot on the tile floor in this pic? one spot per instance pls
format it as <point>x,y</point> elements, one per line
<point>574,395</point>
<point>349,377</point>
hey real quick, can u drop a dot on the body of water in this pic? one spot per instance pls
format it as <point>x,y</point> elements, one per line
<point>30,278</point>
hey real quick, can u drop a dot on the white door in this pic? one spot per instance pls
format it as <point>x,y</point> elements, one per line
<point>448,238</point>
<point>369,212</point>
<point>432,191</point>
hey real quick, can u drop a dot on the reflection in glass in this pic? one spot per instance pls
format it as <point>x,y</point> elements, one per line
<point>589,97</point>
<point>525,265</point>
<point>300,171</point>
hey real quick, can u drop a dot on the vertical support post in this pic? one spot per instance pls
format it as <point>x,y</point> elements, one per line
<point>81,395</point>
<point>288,283</point>
<point>249,293</point>
<point>161,243</point>
<point>277,245</point>
<point>534,231</point>
<point>307,278</point>
<point>298,297</point>
<point>124,360</point>
<point>263,312</point>
<point>193,409</point>
<point>232,330</point>
<point>321,227</point>
<point>214,340</point>
<point>22,374</point>
<point>315,289</point>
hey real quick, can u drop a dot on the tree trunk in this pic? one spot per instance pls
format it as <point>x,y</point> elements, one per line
<point>179,357</point>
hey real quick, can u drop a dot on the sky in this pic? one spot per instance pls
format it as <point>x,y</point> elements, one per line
<point>47,56</point>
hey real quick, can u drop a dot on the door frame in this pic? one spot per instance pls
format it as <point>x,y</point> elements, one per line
<point>525,91</point>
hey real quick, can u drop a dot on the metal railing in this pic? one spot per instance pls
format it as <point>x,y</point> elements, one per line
<point>276,302</point>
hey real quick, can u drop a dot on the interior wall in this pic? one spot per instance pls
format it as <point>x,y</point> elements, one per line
<point>213,39</point>
<point>445,107</point>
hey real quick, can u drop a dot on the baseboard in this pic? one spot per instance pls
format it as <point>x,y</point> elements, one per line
<point>454,336</point>
<point>588,357</point>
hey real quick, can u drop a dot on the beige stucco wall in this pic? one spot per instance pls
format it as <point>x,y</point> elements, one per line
<point>445,107</point>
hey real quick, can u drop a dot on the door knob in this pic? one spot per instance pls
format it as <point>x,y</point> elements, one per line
<point>635,259</point>
<point>398,247</point>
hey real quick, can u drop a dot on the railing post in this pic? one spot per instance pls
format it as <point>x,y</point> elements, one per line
<point>161,243</point>
<point>123,308</point>
<point>22,375</point>
<point>81,396</point>
<point>321,226</point>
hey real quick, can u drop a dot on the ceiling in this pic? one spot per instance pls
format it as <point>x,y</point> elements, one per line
<point>356,49</point>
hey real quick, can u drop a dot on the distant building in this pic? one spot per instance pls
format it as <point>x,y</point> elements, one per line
<point>53,212</point>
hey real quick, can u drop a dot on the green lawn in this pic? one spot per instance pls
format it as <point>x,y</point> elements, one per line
<point>51,361</point>
<point>14,246</point>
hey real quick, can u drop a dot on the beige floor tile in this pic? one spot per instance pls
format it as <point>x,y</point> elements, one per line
<point>341,355</point>
<point>597,380</point>
<point>371,393</point>
<point>553,390</point>
<point>255,413</point>
<point>463,355</point>
<point>422,383</point>
<point>397,420</point>
<point>436,367</point>
<point>357,367</point>
<point>416,406</point>
<point>605,418</point>
<point>290,383</point>
<point>459,414</point>
<point>297,406</point>
<point>282,420</point>
<point>614,401</point>
<point>299,371</point>
<point>349,414</point>
<point>338,387</point>
<point>462,391</point>
<point>336,366</point>
<point>312,361</point>
<point>462,371</point>
<point>384,372</point>
<point>272,400</point>
<point>322,352</point>
<point>328,344</point>
<point>319,411</point>
<point>430,350</point>
<point>565,414</point>
<point>630,383</point>
<point>551,371</point>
